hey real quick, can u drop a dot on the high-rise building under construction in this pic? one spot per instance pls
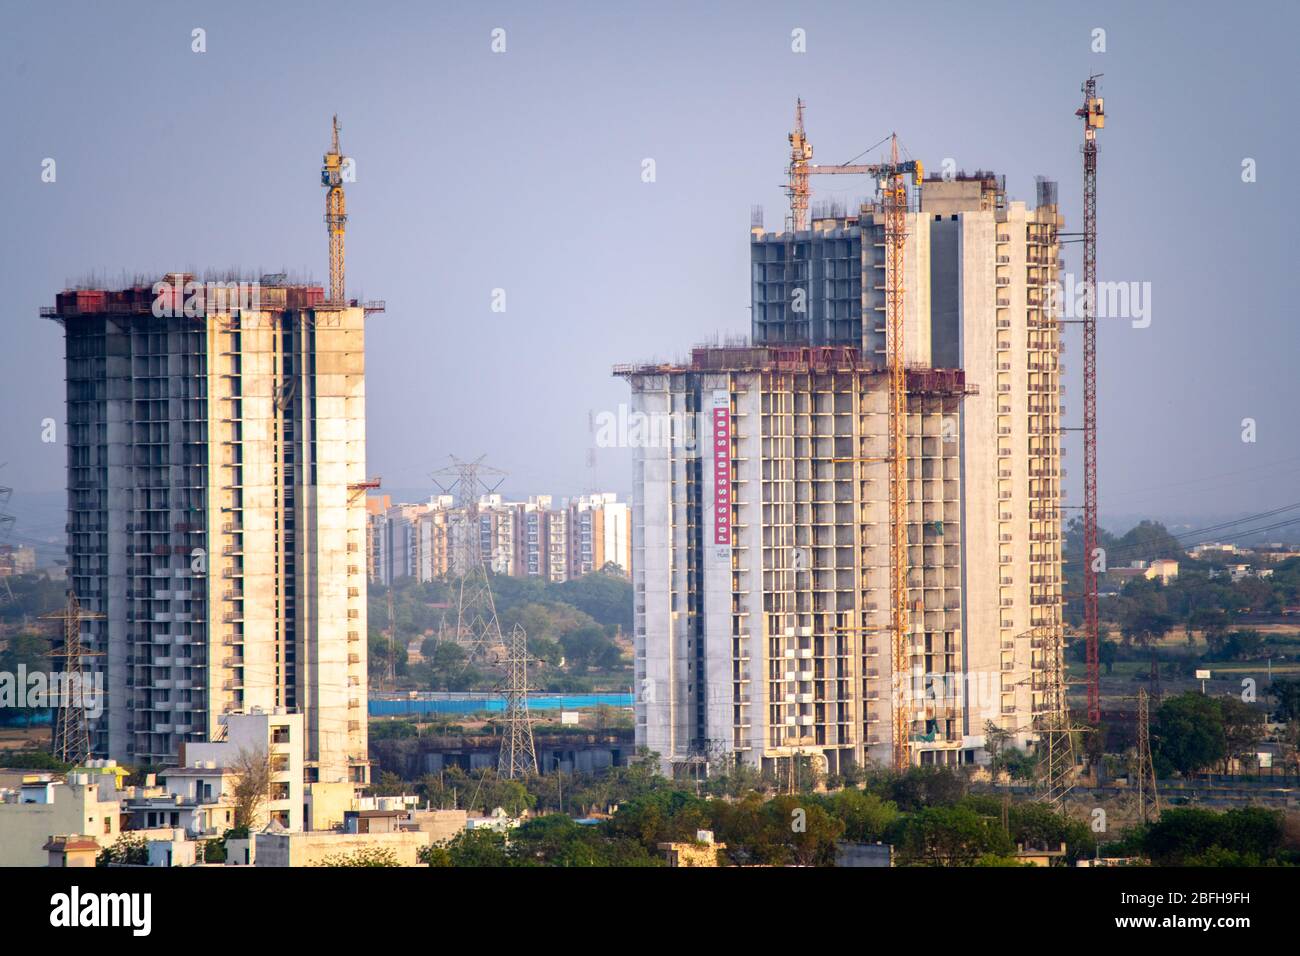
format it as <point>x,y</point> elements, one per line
<point>761,527</point>
<point>216,512</point>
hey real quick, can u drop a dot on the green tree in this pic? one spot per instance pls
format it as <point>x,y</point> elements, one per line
<point>31,651</point>
<point>866,817</point>
<point>490,790</point>
<point>375,856</point>
<point>921,787</point>
<point>588,647</point>
<point>1142,623</point>
<point>382,656</point>
<point>1243,728</point>
<point>1107,654</point>
<point>253,770</point>
<point>950,836</point>
<point>1148,541</point>
<point>1286,692</point>
<point>128,849</point>
<point>809,830</point>
<point>995,741</point>
<point>481,846</point>
<point>1188,734</point>
<point>661,816</point>
<point>1188,835</point>
<point>1242,645</point>
<point>449,667</point>
<point>606,597</point>
<point>557,840</point>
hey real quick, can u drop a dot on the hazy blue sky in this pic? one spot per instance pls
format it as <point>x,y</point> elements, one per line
<point>522,171</point>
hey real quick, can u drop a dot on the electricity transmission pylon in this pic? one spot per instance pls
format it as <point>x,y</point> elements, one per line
<point>478,630</point>
<point>71,741</point>
<point>518,755</point>
<point>7,522</point>
<point>1148,796</point>
<point>1055,732</point>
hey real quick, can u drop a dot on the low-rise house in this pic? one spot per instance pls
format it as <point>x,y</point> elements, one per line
<point>373,821</point>
<point>1238,572</point>
<point>198,800</point>
<point>703,852</point>
<point>44,806</point>
<point>75,850</point>
<point>1163,570</point>
<point>1040,855</point>
<point>173,851</point>
<point>277,733</point>
<point>853,854</point>
<point>440,825</point>
<point>497,820</point>
<point>282,849</point>
<point>1166,569</point>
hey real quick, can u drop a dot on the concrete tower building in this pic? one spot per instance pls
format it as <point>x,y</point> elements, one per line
<point>212,442</point>
<point>760,529</point>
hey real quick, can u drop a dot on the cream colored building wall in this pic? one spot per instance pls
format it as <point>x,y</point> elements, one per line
<point>658,539</point>
<point>439,825</point>
<point>317,392</point>
<point>326,803</point>
<point>77,809</point>
<point>982,487</point>
<point>264,517</point>
<point>1010,601</point>
<point>252,732</point>
<point>332,606</point>
<point>313,849</point>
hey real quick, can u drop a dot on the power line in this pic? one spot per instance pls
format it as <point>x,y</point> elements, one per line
<point>1223,526</point>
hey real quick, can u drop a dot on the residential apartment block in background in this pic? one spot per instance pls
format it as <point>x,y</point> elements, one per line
<point>533,538</point>
<point>761,555</point>
<point>212,518</point>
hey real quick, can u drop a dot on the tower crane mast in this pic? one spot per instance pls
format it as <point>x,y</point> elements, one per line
<point>1094,118</point>
<point>336,214</point>
<point>891,181</point>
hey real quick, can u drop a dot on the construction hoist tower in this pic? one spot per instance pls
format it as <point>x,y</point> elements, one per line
<point>891,183</point>
<point>1094,118</point>
<point>336,214</point>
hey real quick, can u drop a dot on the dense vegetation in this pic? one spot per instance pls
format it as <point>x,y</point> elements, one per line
<point>927,814</point>
<point>1148,610</point>
<point>33,595</point>
<point>572,629</point>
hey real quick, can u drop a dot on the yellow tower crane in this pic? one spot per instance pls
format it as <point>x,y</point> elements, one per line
<point>891,182</point>
<point>336,214</point>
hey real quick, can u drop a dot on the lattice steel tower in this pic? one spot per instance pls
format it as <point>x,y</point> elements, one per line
<point>1094,118</point>
<point>518,755</point>
<point>1148,796</point>
<point>71,742</point>
<point>477,629</point>
<point>336,213</point>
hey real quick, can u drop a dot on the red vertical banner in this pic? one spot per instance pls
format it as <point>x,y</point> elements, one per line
<point>722,468</point>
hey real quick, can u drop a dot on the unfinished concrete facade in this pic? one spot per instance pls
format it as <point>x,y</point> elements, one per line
<point>779,646</point>
<point>210,452</point>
